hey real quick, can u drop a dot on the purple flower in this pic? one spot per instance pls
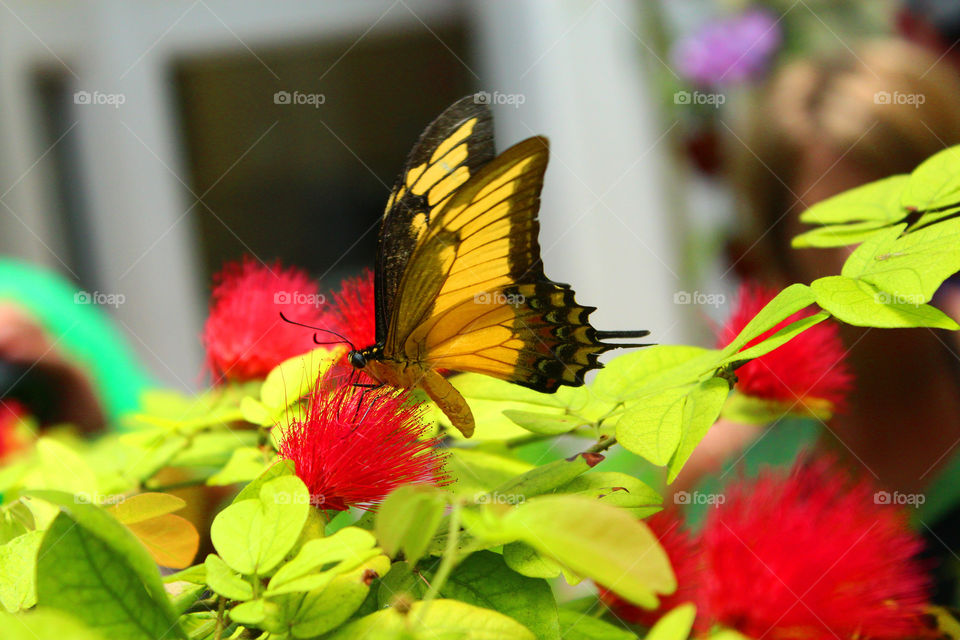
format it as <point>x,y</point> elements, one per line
<point>728,51</point>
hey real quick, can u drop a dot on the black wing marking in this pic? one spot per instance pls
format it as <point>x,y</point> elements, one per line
<point>434,169</point>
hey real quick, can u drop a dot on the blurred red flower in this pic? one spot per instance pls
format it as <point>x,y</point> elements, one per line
<point>683,552</point>
<point>809,371</point>
<point>352,449</point>
<point>12,414</point>
<point>815,555</point>
<point>352,311</point>
<point>244,335</point>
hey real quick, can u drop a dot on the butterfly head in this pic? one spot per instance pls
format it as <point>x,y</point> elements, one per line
<point>357,359</point>
<point>360,357</point>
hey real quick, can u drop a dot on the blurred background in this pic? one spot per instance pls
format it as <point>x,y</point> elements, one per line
<point>144,144</point>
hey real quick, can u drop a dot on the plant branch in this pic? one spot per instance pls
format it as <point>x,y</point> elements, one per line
<point>448,561</point>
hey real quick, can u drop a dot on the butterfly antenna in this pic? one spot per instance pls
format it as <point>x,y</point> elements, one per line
<point>307,326</point>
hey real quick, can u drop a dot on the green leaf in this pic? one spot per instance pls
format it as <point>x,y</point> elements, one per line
<point>478,471</point>
<point>785,304</point>
<point>249,613</point>
<point>197,574</point>
<point>935,182</point>
<point>145,506</point>
<point>652,428</point>
<point>542,479</point>
<point>575,625</point>
<point>321,610</point>
<point>628,373</point>
<point>408,519</point>
<point>294,378</point>
<point>62,468</point>
<point>438,619</point>
<point>878,201</point>
<point>225,580</point>
<point>861,304</point>
<point>484,579</point>
<point>837,235</point>
<point>593,540</point>
<point>400,582</point>
<point>44,624</point>
<point>245,464</point>
<point>92,567</point>
<point>617,489</point>
<point>545,423</point>
<point>253,536</point>
<point>527,561</point>
<point>348,547</point>
<point>213,448</point>
<point>778,339</point>
<point>278,469</point>
<point>18,557</point>
<point>675,625</point>
<point>474,386</point>
<point>255,412</point>
<point>702,408</point>
<point>911,267</point>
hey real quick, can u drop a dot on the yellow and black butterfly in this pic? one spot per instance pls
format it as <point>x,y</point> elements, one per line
<point>459,284</point>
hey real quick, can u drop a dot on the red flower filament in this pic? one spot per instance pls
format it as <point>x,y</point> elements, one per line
<point>352,450</point>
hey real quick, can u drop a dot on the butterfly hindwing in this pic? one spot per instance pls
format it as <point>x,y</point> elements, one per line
<point>452,149</point>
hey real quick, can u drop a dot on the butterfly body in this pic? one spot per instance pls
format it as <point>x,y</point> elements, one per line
<point>459,282</point>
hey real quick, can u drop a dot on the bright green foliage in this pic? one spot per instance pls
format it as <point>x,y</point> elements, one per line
<point>478,558</point>
<point>408,519</point>
<point>253,536</point>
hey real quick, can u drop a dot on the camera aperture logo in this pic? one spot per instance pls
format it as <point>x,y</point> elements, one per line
<point>500,298</point>
<point>98,97</point>
<point>299,298</point>
<point>500,498</point>
<point>898,97</point>
<point>513,99</point>
<point>900,499</point>
<point>698,297</point>
<point>699,97</point>
<point>100,298</point>
<point>686,497</point>
<point>884,297</point>
<point>299,98</point>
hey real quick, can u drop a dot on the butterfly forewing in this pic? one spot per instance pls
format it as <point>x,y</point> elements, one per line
<point>452,149</point>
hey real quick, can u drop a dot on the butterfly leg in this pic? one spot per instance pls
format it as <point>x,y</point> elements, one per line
<point>449,400</point>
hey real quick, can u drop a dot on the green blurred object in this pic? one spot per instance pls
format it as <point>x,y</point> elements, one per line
<point>81,330</point>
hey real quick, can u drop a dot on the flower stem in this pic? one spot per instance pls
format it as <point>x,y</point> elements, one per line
<point>449,559</point>
<point>220,621</point>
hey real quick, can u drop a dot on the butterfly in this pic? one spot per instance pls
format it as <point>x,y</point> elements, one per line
<point>459,285</point>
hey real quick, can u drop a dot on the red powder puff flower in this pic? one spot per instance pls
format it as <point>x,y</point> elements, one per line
<point>816,555</point>
<point>12,414</point>
<point>684,555</point>
<point>352,311</point>
<point>809,371</point>
<point>352,449</point>
<point>244,335</point>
